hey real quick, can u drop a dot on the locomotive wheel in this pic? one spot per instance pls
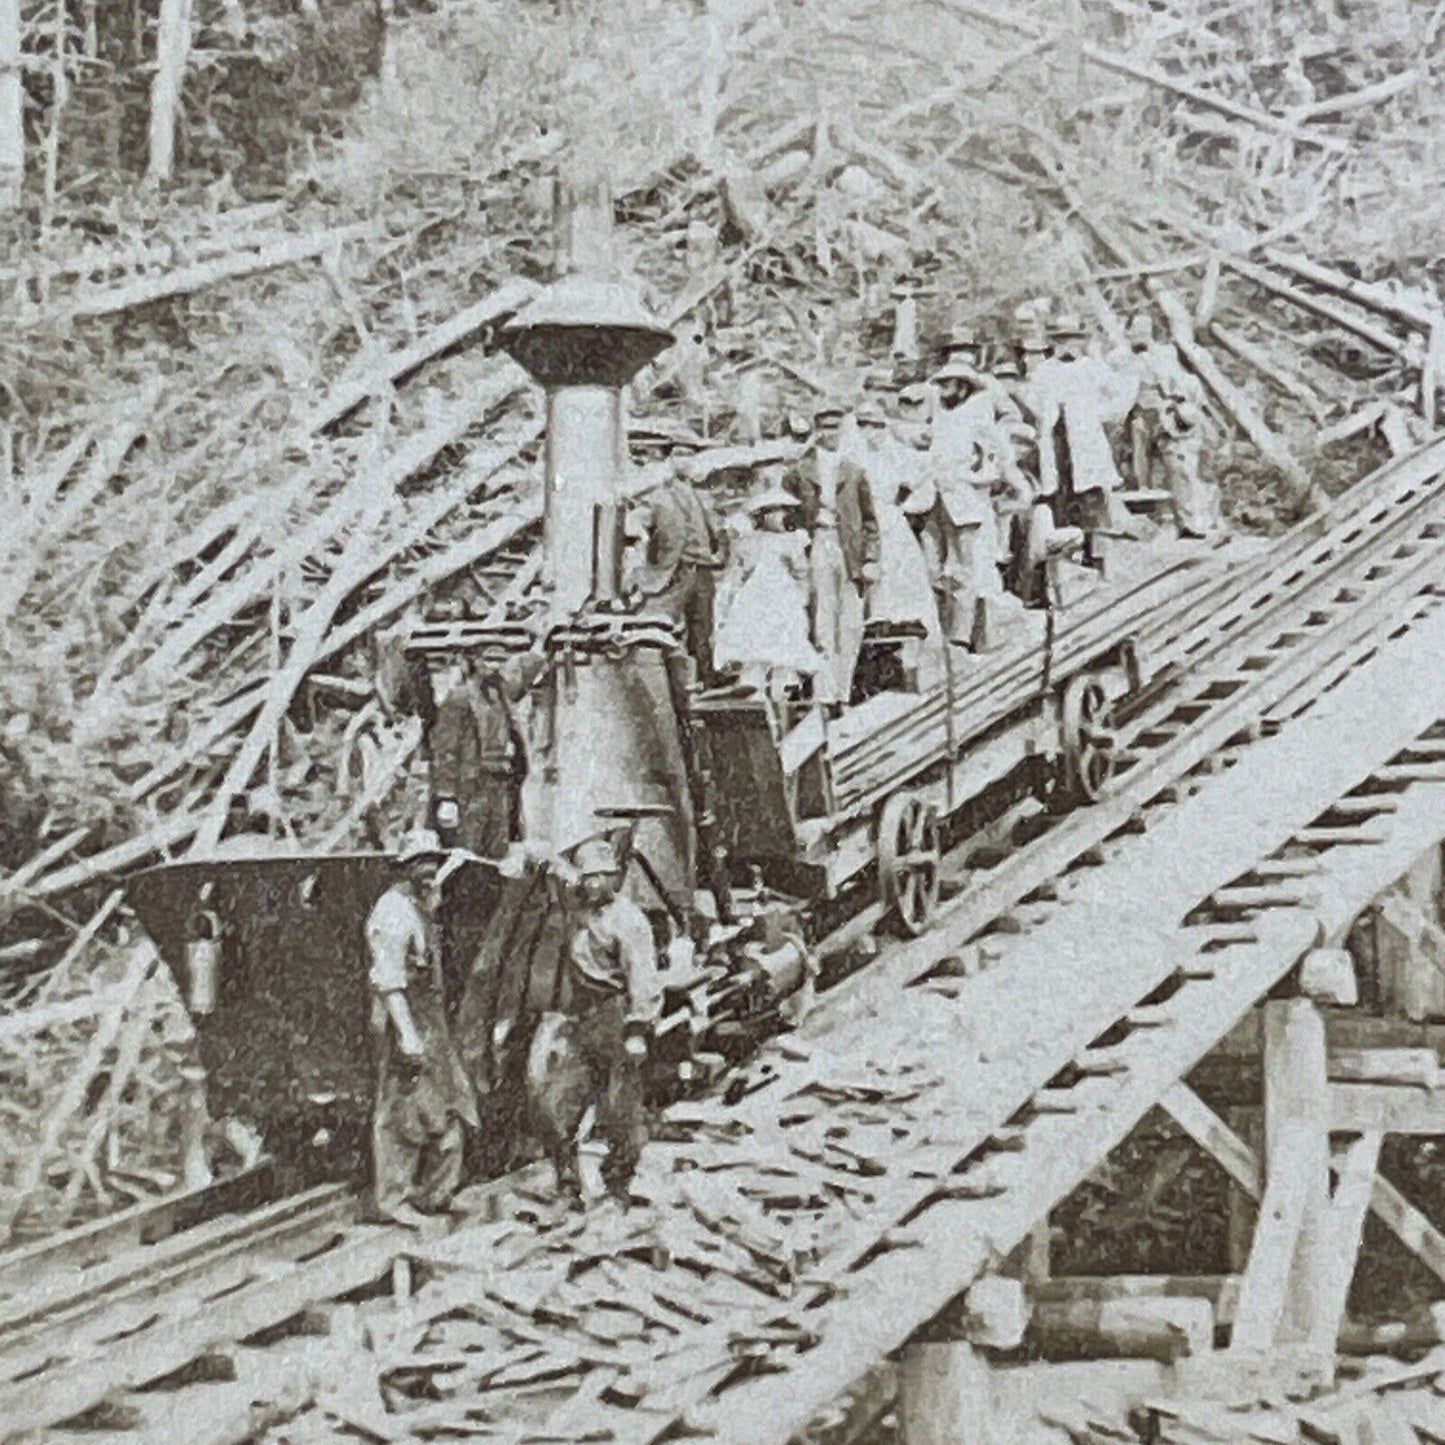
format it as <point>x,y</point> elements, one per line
<point>1090,744</point>
<point>909,856</point>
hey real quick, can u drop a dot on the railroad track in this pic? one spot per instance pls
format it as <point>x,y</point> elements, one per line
<point>1236,655</point>
<point>1369,572</point>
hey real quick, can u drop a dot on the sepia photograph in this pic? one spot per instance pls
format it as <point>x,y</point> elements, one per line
<point>722,721</point>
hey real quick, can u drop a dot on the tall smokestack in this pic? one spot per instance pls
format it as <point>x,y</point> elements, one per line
<point>584,339</point>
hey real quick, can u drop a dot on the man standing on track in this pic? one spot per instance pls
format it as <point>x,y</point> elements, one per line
<point>836,508</point>
<point>594,1054</point>
<point>1074,394</point>
<point>1166,431</point>
<point>423,1095</point>
<point>478,755</point>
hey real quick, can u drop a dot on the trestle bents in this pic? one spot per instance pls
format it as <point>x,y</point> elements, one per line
<point>851,1190</point>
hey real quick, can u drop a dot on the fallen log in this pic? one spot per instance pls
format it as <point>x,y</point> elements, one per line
<point>132,1040</point>
<point>142,962</point>
<point>1362,99</point>
<point>357,563</point>
<point>167,833</point>
<point>189,279</point>
<point>1164,1327</point>
<point>350,392</point>
<point>412,456</point>
<point>1236,405</point>
<point>56,980</point>
<point>1150,75</point>
<point>1270,369</point>
<point>1321,306</point>
<point>48,527</point>
<point>1363,293</point>
<point>52,853</point>
<point>27,1022</point>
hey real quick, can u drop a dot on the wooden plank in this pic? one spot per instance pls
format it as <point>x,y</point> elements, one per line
<point>1356,1164</point>
<point>59,1292</point>
<point>1415,1067</point>
<point>166,1347</point>
<point>1386,1109</point>
<point>144,1224</point>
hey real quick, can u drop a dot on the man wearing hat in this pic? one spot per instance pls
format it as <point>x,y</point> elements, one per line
<point>612,996</point>
<point>683,551</point>
<point>973,454</point>
<point>423,1095</point>
<point>1073,396</point>
<point>837,509</point>
<point>1166,427</point>
<point>478,755</point>
<point>905,317</point>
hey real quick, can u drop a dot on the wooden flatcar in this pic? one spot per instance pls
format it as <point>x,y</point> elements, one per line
<point>816,805</point>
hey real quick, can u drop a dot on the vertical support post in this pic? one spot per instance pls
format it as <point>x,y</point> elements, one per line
<point>1243,1206</point>
<point>944,1395</point>
<point>1289,1260</point>
<point>1356,1164</point>
<point>1037,1261</point>
<point>173,49</point>
<point>12,107</point>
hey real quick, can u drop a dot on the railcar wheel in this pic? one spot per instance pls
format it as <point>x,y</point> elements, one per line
<point>909,860</point>
<point>1090,744</point>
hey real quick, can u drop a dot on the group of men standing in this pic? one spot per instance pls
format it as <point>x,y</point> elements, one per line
<point>589,1053</point>
<point>929,507</point>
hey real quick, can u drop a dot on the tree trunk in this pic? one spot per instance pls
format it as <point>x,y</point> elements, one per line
<point>173,46</point>
<point>12,107</point>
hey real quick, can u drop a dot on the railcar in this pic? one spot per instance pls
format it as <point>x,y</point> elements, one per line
<point>818,808</point>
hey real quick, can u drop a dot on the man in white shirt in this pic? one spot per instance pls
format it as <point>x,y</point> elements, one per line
<point>1166,431</point>
<point>972,453</point>
<point>423,1094</point>
<point>1072,396</point>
